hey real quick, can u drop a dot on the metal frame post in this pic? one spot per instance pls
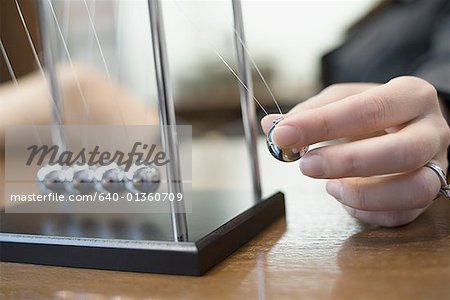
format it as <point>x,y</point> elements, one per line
<point>246,96</point>
<point>167,118</point>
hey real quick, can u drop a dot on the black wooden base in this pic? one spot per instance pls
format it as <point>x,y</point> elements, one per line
<point>219,224</point>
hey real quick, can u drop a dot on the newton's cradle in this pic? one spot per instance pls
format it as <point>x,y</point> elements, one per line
<point>173,243</point>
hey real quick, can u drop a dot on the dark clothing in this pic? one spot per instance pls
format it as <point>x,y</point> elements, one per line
<point>404,38</point>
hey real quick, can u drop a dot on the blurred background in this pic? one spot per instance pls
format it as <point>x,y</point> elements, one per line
<point>285,38</point>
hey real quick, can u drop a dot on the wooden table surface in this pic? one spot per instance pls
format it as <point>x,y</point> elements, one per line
<point>316,252</point>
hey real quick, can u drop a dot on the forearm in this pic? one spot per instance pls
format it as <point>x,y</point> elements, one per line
<point>26,104</point>
<point>100,101</point>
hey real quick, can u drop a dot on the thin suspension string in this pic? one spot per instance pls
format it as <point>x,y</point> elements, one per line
<point>118,15</point>
<point>221,58</point>
<point>118,38</point>
<point>239,79</point>
<point>36,58</point>
<point>108,73</point>
<point>102,55</point>
<point>258,71</point>
<point>118,22</point>
<point>66,24</point>
<point>16,84</point>
<point>8,65</point>
<point>67,9</point>
<point>57,136</point>
<point>89,47</point>
<point>69,58</point>
<point>30,40</point>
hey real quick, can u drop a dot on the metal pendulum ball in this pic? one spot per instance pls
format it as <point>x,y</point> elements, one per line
<point>52,179</point>
<point>145,178</point>
<point>110,179</point>
<point>283,154</point>
<point>81,179</point>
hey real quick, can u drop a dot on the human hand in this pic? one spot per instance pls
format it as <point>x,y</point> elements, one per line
<point>380,178</point>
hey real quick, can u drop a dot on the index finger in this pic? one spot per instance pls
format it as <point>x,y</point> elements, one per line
<point>335,92</point>
<point>370,111</point>
<point>332,93</point>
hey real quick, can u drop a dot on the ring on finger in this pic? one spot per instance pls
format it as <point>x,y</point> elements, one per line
<point>445,187</point>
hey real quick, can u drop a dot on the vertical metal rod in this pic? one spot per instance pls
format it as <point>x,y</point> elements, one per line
<point>167,116</point>
<point>49,62</point>
<point>247,104</point>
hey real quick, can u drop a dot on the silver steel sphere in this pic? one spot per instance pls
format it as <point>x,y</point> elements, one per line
<point>52,179</point>
<point>110,178</point>
<point>283,154</point>
<point>144,179</point>
<point>81,179</point>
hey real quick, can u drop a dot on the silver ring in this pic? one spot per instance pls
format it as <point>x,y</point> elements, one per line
<point>445,187</point>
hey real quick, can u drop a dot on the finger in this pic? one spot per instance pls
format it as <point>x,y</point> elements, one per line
<point>403,151</point>
<point>331,94</point>
<point>386,218</point>
<point>375,109</point>
<point>414,190</point>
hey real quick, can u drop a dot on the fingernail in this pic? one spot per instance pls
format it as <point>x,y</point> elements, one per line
<point>285,136</point>
<point>270,117</point>
<point>267,121</point>
<point>312,165</point>
<point>334,188</point>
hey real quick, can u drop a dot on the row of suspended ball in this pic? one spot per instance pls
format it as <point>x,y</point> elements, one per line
<point>87,179</point>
